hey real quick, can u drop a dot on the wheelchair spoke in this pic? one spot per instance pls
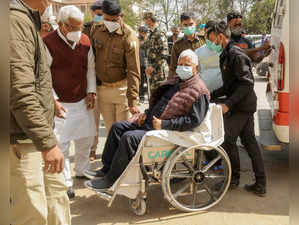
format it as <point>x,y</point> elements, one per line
<point>212,163</point>
<point>199,160</point>
<point>194,186</point>
<point>187,164</point>
<point>214,176</point>
<point>180,175</point>
<point>180,191</point>
<point>209,192</point>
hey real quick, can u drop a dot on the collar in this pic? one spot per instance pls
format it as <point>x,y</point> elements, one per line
<point>33,14</point>
<point>154,28</point>
<point>196,38</point>
<point>226,49</point>
<point>65,40</point>
<point>119,31</point>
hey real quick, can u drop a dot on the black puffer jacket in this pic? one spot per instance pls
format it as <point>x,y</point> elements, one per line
<point>238,81</point>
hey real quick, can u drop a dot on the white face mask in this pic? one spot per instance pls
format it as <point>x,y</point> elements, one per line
<point>111,26</point>
<point>74,36</point>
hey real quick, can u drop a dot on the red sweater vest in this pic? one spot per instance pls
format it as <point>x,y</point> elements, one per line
<point>69,67</point>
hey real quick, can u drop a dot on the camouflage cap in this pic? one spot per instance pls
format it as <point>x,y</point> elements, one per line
<point>149,15</point>
<point>233,15</point>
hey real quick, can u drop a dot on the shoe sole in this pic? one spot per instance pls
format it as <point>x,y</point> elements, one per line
<point>256,193</point>
<point>89,176</point>
<point>94,189</point>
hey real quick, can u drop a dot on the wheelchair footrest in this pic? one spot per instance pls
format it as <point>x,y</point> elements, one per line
<point>104,195</point>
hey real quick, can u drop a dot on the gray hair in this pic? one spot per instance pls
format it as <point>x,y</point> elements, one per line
<point>69,11</point>
<point>191,54</point>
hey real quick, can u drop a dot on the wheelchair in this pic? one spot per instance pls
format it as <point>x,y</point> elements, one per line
<point>192,168</point>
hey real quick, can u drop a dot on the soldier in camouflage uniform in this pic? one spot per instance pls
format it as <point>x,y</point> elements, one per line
<point>157,52</point>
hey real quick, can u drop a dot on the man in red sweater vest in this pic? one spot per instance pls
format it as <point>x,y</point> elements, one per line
<point>74,83</point>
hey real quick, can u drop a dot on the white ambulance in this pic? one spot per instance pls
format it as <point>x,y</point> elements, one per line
<point>278,77</point>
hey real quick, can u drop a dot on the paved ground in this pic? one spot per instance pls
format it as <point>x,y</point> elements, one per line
<point>237,208</point>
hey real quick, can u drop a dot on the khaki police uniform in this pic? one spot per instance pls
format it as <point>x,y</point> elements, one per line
<point>181,45</point>
<point>118,69</point>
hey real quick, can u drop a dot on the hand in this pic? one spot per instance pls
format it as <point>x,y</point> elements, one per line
<point>157,123</point>
<point>141,119</point>
<point>267,52</point>
<point>59,109</point>
<point>90,100</point>
<point>224,108</point>
<point>266,45</point>
<point>134,109</point>
<point>149,70</point>
<point>54,160</point>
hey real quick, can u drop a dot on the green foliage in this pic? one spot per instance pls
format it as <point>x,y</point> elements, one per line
<point>130,17</point>
<point>259,20</point>
<point>87,17</point>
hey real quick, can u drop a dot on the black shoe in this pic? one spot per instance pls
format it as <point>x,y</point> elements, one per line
<point>256,188</point>
<point>91,174</point>
<point>70,193</point>
<point>234,183</point>
<point>82,177</point>
<point>99,184</point>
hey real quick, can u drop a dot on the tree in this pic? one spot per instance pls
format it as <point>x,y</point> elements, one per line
<point>259,20</point>
<point>165,10</point>
<point>130,17</point>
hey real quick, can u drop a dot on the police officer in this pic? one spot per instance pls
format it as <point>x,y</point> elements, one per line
<point>191,40</point>
<point>172,39</point>
<point>117,65</point>
<point>234,20</point>
<point>238,109</point>
<point>157,52</point>
<point>97,16</point>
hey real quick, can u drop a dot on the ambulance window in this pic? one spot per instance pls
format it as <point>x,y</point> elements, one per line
<point>279,14</point>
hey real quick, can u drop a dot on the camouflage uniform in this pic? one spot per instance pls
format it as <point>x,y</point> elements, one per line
<point>156,56</point>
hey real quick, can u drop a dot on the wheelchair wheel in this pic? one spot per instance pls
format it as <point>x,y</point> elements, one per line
<point>138,206</point>
<point>192,183</point>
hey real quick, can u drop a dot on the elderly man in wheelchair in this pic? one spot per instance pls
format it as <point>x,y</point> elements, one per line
<point>180,104</point>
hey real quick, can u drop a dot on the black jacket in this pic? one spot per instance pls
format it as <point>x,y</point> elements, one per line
<point>238,81</point>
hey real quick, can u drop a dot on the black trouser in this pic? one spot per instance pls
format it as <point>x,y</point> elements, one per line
<point>120,147</point>
<point>142,88</point>
<point>242,124</point>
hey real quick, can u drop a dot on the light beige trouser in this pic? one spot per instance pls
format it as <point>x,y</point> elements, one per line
<point>113,104</point>
<point>38,198</point>
<point>97,119</point>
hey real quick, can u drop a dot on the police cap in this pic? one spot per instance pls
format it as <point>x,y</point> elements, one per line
<point>97,5</point>
<point>111,7</point>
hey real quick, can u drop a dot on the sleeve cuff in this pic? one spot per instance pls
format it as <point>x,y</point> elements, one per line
<point>228,103</point>
<point>46,143</point>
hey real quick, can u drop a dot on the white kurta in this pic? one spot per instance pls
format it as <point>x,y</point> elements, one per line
<point>79,123</point>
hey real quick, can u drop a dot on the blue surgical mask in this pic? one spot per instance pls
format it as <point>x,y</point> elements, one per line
<point>189,30</point>
<point>212,46</point>
<point>98,18</point>
<point>184,72</point>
